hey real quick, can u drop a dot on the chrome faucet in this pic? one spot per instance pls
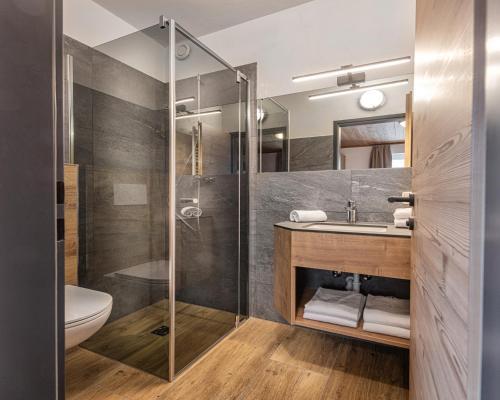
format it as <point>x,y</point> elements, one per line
<point>351,211</point>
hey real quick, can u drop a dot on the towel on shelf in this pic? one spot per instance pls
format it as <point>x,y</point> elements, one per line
<point>386,330</point>
<point>342,304</point>
<point>329,319</point>
<point>400,223</point>
<point>389,311</point>
<point>308,216</point>
<point>403,213</point>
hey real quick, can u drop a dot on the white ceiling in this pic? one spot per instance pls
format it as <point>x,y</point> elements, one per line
<point>304,37</point>
<point>200,17</point>
<point>94,22</point>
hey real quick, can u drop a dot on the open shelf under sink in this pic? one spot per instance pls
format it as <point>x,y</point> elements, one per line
<point>358,332</point>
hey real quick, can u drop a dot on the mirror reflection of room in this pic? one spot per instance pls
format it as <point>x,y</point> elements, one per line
<point>362,122</point>
<point>370,143</point>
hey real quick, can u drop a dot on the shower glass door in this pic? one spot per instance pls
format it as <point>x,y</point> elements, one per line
<point>157,125</point>
<point>210,125</point>
<point>120,115</point>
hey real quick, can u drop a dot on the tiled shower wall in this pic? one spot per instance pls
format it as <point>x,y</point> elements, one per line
<point>121,136</point>
<point>276,194</point>
<point>120,131</point>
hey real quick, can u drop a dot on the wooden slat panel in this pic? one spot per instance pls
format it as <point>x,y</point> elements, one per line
<point>442,113</point>
<point>370,134</point>
<point>380,256</point>
<point>283,299</point>
<point>71,224</point>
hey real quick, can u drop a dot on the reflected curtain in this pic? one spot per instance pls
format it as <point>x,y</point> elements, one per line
<point>381,156</point>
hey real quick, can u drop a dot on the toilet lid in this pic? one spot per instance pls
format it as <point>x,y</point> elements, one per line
<point>82,303</point>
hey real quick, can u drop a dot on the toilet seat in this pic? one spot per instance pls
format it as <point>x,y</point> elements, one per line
<point>83,305</point>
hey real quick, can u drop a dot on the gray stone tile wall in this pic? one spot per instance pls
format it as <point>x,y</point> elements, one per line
<point>276,194</point>
<point>311,153</point>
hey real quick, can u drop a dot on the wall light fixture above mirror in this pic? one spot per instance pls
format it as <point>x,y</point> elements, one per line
<point>358,89</point>
<point>350,69</point>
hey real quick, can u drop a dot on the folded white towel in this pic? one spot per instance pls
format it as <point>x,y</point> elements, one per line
<point>403,213</point>
<point>400,222</point>
<point>336,303</point>
<point>330,320</point>
<point>386,330</point>
<point>308,216</point>
<point>387,311</point>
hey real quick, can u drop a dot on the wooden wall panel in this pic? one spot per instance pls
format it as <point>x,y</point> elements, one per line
<point>442,113</point>
<point>283,298</point>
<point>71,224</point>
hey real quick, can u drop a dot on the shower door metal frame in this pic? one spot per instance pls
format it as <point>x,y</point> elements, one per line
<point>173,27</point>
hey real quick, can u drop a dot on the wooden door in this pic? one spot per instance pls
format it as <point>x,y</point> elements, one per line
<point>442,111</point>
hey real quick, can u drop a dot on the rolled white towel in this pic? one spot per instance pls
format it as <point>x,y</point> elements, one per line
<point>403,213</point>
<point>400,223</point>
<point>330,319</point>
<point>308,216</point>
<point>386,330</point>
<point>386,310</point>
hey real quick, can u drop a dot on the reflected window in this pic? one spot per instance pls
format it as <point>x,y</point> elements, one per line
<point>398,160</point>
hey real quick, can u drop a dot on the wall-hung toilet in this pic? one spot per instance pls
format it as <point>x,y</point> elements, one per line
<point>86,311</point>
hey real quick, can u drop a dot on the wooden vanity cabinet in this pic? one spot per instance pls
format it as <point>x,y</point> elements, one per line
<point>377,255</point>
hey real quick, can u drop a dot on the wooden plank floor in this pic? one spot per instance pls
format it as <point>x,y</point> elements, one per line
<point>130,339</point>
<point>262,360</point>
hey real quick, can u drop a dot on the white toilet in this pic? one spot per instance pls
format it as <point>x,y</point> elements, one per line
<point>86,311</point>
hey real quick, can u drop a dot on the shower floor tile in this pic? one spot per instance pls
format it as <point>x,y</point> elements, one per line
<point>130,339</point>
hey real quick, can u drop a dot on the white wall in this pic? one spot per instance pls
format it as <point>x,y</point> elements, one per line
<point>317,36</point>
<point>146,51</point>
<point>91,23</point>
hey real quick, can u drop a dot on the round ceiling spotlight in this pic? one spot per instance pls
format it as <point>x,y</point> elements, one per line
<point>372,100</point>
<point>182,51</point>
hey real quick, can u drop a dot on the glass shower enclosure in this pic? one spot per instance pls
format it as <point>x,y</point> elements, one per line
<point>157,125</point>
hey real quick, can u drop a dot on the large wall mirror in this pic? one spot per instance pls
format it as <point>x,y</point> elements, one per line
<point>365,125</point>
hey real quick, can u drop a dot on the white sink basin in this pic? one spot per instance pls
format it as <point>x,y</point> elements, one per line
<point>348,228</point>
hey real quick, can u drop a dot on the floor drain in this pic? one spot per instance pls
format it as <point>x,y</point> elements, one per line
<point>161,331</point>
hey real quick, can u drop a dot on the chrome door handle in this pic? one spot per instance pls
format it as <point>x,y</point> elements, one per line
<point>398,199</point>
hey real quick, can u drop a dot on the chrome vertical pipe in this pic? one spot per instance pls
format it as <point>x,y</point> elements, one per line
<point>171,198</point>
<point>70,109</point>
<point>238,79</point>
<point>260,105</point>
<point>288,133</point>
